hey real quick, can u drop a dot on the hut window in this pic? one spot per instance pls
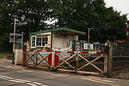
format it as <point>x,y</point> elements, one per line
<point>41,41</point>
<point>33,41</point>
<point>38,41</point>
<point>44,41</point>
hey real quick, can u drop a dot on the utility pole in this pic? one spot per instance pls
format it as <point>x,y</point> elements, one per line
<point>89,37</point>
<point>14,33</point>
<point>22,41</point>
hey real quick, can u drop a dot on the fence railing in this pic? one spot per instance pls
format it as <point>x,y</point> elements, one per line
<point>77,61</point>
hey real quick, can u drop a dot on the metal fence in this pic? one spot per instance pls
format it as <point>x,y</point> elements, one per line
<point>120,59</point>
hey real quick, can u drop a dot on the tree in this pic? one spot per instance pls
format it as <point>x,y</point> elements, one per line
<point>76,14</point>
<point>32,11</point>
<point>84,14</point>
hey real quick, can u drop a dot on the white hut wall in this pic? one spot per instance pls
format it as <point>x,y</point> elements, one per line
<point>60,42</point>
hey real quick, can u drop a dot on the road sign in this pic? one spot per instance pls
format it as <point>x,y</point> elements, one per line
<point>18,38</point>
<point>21,23</point>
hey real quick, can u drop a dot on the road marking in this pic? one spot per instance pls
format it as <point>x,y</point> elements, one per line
<point>16,81</point>
<point>5,77</point>
<point>39,84</point>
<point>21,81</point>
<point>31,84</point>
<point>107,81</point>
<point>102,82</point>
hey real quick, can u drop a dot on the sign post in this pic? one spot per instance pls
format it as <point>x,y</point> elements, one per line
<point>14,32</point>
<point>16,23</point>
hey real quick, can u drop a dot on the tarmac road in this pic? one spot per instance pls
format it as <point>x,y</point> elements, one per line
<point>12,75</point>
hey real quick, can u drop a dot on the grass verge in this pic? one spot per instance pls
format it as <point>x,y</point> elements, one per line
<point>5,54</point>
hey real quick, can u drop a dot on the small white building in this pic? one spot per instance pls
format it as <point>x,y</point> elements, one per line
<point>53,39</point>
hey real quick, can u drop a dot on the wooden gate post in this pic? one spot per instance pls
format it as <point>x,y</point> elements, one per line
<point>77,63</point>
<point>108,62</point>
<point>105,65</point>
<point>36,56</point>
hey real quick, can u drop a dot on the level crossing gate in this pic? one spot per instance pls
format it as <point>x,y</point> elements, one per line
<point>36,57</point>
<point>77,61</point>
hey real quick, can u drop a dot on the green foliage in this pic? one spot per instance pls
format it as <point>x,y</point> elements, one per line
<point>76,14</point>
<point>84,14</point>
<point>5,54</point>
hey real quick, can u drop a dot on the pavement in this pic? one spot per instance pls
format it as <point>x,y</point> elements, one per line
<point>14,75</point>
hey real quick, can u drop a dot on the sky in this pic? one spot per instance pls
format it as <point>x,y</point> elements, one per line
<point>119,5</point>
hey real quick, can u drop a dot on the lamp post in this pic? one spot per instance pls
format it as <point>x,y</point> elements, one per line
<point>89,37</point>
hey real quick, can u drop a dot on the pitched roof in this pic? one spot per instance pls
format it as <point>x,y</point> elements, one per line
<point>59,29</point>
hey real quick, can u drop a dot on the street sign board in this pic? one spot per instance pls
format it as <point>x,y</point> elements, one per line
<point>21,23</point>
<point>18,38</point>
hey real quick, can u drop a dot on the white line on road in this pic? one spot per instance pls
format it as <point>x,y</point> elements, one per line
<point>5,77</point>
<point>21,81</point>
<point>16,81</point>
<point>31,84</point>
<point>107,81</point>
<point>39,83</point>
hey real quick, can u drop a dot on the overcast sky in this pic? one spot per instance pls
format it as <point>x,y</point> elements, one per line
<point>119,5</point>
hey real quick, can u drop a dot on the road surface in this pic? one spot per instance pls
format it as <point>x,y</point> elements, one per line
<point>12,75</point>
